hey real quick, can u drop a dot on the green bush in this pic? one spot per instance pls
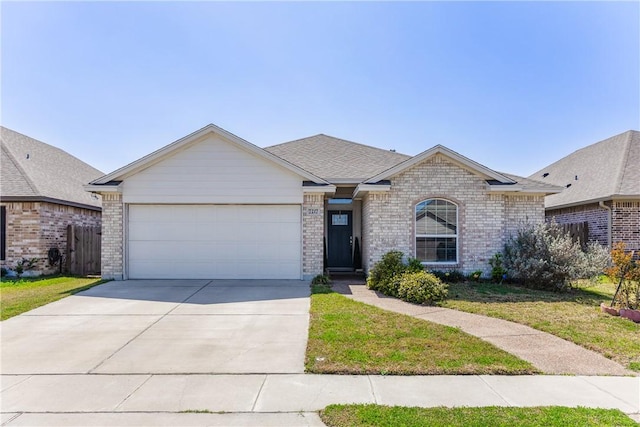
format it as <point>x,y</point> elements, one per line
<point>321,279</point>
<point>497,270</point>
<point>421,288</point>
<point>449,276</point>
<point>385,275</point>
<point>544,256</point>
<point>475,276</point>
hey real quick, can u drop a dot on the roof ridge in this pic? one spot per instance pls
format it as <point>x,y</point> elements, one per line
<point>25,175</point>
<point>340,139</point>
<point>625,160</point>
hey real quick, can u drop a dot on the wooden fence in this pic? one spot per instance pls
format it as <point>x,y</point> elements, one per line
<point>579,232</point>
<point>83,250</point>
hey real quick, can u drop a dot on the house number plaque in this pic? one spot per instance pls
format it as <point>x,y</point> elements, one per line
<point>313,212</point>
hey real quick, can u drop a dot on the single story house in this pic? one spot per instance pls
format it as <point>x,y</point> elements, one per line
<point>212,205</point>
<point>602,188</point>
<point>41,193</point>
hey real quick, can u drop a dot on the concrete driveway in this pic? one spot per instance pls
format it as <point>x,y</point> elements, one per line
<point>164,327</point>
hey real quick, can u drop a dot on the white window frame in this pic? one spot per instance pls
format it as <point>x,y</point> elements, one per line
<point>456,236</point>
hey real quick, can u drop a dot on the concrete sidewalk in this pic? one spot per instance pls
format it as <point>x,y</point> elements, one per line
<point>550,354</point>
<point>283,399</point>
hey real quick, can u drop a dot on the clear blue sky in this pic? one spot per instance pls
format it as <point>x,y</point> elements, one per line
<point>512,85</point>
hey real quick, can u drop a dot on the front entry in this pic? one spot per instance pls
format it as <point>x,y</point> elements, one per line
<point>340,240</point>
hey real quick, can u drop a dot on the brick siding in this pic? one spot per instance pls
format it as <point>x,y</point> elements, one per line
<point>626,224</point>
<point>596,217</point>
<point>35,227</point>
<point>625,221</point>
<point>312,235</point>
<point>485,220</point>
<point>112,236</point>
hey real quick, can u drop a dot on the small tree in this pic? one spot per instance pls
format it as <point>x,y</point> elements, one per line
<point>626,272</point>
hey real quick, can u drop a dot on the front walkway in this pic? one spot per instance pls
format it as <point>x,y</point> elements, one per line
<point>548,353</point>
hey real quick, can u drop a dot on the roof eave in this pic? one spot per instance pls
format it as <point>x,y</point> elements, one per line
<point>33,199</point>
<point>370,187</point>
<point>595,200</point>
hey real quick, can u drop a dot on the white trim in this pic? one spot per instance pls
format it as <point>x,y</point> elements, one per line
<point>166,151</point>
<point>440,149</point>
<point>456,236</point>
<point>93,188</point>
<point>319,189</point>
<point>365,188</point>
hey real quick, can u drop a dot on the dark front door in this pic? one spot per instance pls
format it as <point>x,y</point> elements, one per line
<point>340,239</point>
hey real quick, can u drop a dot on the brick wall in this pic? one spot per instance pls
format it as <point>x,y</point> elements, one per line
<point>312,235</point>
<point>112,236</point>
<point>35,227</point>
<point>592,213</point>
<point>626,224</point>
<point>484,220</point>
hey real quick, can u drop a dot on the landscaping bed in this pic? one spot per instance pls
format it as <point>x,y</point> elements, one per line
<point>19,296</point>
<point>396,416</point>
<point>574,315</point>
<point>349,337</point>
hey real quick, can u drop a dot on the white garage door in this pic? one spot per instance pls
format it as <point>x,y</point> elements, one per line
<point>214,242</point>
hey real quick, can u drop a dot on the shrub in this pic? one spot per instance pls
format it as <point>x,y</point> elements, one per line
<point>421,288</point>
<point>475,276</point>
<point>626,273</point>
<point>321,279</point>
<point>544,256</point>
<point>451,276</point>
<point>23,265</point>
<point>385,275</point>
<point>497,270</point>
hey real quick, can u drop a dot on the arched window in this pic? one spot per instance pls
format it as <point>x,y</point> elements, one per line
<point>437,231</point>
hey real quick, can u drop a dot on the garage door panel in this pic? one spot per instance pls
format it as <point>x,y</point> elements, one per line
<point>214,241</point>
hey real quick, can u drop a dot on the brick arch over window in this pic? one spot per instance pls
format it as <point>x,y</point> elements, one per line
<point>437,227</point>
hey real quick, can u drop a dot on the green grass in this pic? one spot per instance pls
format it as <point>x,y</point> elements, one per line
<point>349,337</point>
<point>396,416</point>
<point>18,296</point>
<point>574,315</point>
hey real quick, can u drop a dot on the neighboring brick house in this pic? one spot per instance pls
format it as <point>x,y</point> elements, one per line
<point>212,205</point>
<point>41,192</point>
<point>602,188</point>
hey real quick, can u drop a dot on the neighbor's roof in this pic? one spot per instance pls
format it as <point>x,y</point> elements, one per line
<point>602,171</point>
<point>337,160</point>
<point>33,171</point>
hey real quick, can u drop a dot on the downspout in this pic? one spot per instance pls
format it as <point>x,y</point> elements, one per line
<point>609,238</point>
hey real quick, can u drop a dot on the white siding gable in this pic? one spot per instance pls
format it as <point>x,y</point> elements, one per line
<point>213,170</point>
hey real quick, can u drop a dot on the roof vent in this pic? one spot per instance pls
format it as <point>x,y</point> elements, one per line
<point>568,185</point>
<point>546,174</point>
<point>576,178</point>
<point>27,155</point>
<point>393,150</point>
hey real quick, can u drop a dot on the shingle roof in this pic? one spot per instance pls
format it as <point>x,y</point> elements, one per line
<point>341,161</point>
<point>35,170</point>
<point>337,160</point>
<point>601,171</point>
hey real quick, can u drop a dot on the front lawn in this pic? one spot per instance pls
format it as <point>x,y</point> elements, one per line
<point>349,337</point>
<point>574,315</point>
<point>396,416</point>
<point>18,296</point>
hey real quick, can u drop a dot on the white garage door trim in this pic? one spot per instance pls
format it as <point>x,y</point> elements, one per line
<point>214,241</point>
